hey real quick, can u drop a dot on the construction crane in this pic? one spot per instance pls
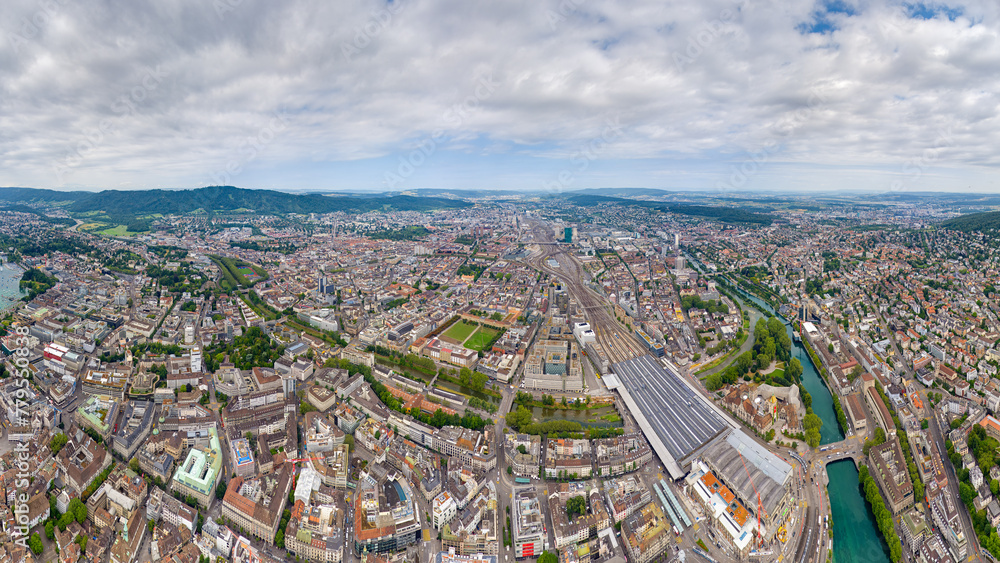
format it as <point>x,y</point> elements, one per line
<point>760,505</point>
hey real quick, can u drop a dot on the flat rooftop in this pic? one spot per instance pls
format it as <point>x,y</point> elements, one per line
<point>682,420</point>
<point>748,468</point>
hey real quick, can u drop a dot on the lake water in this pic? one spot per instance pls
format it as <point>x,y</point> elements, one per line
<point>10,277</point>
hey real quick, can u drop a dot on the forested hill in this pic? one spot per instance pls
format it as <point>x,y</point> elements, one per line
<point>133,203</point>
<point>722,214</point>
<point>982,222</point>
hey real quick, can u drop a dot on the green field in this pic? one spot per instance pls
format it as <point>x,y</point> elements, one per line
<point>481,339</point>
<point>117,231</point>
<point>460,330</point>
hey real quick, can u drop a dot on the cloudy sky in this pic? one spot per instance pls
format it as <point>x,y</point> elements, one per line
<point>515,94</point>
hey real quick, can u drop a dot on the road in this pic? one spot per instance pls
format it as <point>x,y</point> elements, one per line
<point>900,359</point>
<point>938,437</point>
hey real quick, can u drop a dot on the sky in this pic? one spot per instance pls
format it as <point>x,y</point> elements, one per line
<point>554,95</point>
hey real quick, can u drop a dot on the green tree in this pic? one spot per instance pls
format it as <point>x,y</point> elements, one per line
<point>807,399</point>
<point>878,435</point>
<point>812,437</point>
<point>50,529</point>
<point>57,442</point>
<point>35,543</point>
<point>64,521</point>
<point>478,381</point>
<point>812,420</point>
<point>220,489</point>
<point>576,506</point>
<point>966,493</point>
<point>794,369</point>
<point>78,510</point>
<point>519,418</point>
<point>547,557</point>
<point>855,373</point>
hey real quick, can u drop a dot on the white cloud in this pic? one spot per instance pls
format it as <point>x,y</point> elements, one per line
<point>708,80</point>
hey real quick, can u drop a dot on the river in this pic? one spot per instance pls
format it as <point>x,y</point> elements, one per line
<point>855,539</point>
<point>822,401</point>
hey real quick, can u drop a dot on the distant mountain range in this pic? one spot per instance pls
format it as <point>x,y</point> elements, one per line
<point>623,192</point>
<point>488,193</point>
<point>123,205</point>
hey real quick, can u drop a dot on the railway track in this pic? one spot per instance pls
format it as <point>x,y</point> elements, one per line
<point>617,341</point>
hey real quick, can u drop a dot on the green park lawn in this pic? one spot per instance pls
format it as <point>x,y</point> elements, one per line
<point>481,339</point>
<point>460,331</point>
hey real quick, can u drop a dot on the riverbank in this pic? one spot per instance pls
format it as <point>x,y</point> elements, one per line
<point>814,383</point>
<point>855,536</point>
